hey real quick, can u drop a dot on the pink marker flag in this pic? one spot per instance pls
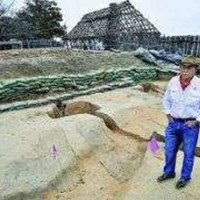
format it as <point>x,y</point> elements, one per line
<point>154,146</point>
<point>54,151</point>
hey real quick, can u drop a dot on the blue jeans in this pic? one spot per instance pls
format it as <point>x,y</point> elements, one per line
<point>178,132</point>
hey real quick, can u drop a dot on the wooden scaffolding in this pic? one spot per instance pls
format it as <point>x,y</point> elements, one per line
<point>117,25</point>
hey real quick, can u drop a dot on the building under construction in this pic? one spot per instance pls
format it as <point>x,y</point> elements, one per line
<point>112,27</point>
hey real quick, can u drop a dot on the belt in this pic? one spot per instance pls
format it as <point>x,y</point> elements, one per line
<point>184,119</point>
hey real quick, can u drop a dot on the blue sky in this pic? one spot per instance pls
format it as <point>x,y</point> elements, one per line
<point>171,17</point>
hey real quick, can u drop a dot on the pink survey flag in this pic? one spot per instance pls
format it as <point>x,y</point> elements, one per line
<point>54,151</point>
<point>154,146</point>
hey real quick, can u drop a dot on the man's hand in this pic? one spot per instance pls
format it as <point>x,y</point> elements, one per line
<point>170,118</point>
<point>191,123</point>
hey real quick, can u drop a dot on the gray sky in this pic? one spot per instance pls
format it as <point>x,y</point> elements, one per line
<point>171,17</point>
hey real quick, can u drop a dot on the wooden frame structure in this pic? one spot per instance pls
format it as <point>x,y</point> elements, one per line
<point>119,24</point>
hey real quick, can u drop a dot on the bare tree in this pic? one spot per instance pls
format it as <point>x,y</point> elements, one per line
<point>5,19</point>
<point>5,7</point>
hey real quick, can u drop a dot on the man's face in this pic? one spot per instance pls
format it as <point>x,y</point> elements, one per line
<point>187,72</point>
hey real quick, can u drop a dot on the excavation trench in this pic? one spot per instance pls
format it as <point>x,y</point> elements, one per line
<point>84,107</point>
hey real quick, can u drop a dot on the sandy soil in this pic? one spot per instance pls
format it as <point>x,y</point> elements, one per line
<point>96,183</point>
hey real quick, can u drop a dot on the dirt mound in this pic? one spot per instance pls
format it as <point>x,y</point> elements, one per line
<point>43,62</point>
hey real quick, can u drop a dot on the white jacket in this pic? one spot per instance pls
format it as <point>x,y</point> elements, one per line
<point>183,103</point>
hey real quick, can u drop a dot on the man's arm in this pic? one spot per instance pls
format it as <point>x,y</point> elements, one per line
<point>167,103</point>
<point>193,123</point>
<point>198,117</point>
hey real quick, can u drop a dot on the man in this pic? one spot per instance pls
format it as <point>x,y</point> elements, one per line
<point>182,107</point>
